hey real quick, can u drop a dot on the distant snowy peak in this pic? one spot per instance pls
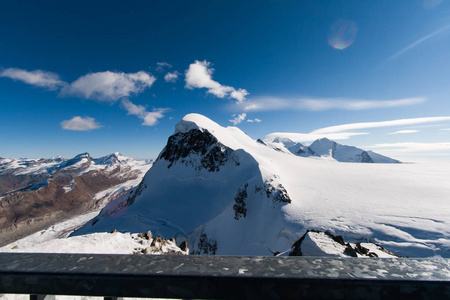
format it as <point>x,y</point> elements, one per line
<point>342,153</point>
<point>296,148</point>
<point>327,148</point>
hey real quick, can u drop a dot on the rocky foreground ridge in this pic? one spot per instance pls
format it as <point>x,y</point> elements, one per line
<point>37,193</point>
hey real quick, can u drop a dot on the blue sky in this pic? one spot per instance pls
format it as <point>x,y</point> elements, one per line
<point>106,76</point>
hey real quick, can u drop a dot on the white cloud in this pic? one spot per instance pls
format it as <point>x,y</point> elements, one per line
<point>404,131</point>
<point>366,125</point>
<point>238,118</point>
<point>412,147</point>
<point>161,66</point>
<point>171,76</point>
<point>37,78</point>
<point>318,104</point>
<point>254,120</point>
<point>78,123</point>
<point>149,118</point>
<point>446,129</point>
<point>199,75</point>
<point>239,95</point>
<point>109,86</point>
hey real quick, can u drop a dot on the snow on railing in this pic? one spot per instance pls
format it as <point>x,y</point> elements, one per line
<point>222,277</point>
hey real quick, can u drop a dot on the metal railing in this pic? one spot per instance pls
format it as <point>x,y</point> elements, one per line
<point>223,277</point>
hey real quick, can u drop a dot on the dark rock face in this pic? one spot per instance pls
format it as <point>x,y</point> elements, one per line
<point>261,142</point>
<point>365,158</point>
<point>183,246</point>
<point>206,246</point>
<point>278,194</point>
<point>211,152</point>
<point>239,207</point>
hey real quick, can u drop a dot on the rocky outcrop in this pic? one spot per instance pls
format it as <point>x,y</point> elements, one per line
<point>205,246</point>
<point>239,206</point>
<point>319,243</point>
<point>158,245</point>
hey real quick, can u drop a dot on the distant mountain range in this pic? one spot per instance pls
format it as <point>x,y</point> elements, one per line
<point>330,149</point>
<point>36,193</point>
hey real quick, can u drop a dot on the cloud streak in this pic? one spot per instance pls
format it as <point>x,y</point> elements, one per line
<point>39,78</point>
<point>405,131</point>
<point>412,147</point>
<point>346,131</point>
<point>199,75</point>
<point>78,123</point>
<point>393,123</point>
<point>320,104</point>
<point>417,43</point>
<point>148,118</point>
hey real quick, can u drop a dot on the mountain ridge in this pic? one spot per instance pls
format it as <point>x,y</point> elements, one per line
<point>35,193</point>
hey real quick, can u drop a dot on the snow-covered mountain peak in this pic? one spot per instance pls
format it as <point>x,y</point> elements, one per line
<point>111,159</point>
<point>196,121</point>
<point>228,194</point>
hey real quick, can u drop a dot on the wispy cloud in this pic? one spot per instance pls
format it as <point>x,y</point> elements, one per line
<point>78,123</point>
<point>148,118</point>
<point>238,118</point>
<point>417,43</point>
<point>171,76</point>
<point>405,131</point>
<point>109,86</point>
<point>37,78</point>
<point>161,66</point>
<point>346,131</point>
<point>393,123</point>
<point>412,147</point>
<point>256,120</point>
<point>445,129</point>
<point>199,75</point>
<point>319,104</point>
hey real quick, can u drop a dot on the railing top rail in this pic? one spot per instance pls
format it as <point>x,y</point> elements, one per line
<point>214,277</point>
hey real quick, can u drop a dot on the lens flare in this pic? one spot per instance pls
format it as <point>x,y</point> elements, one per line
<point>342,34</point>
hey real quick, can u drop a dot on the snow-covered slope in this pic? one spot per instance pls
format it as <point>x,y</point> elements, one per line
<point>228,194</point>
